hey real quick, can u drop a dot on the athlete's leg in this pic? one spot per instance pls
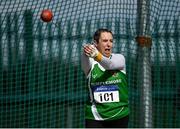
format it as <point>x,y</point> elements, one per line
<point>93,124</point>
<point>120,123</point>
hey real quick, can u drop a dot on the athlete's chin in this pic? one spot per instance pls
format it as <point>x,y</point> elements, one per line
<point>107,54</point>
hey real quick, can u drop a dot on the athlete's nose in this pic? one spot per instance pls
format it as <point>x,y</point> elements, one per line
<point>109,43</point>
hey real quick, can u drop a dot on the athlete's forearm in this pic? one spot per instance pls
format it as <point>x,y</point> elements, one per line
<point>116,62</point>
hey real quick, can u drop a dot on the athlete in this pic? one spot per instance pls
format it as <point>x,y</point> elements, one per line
<point>107,83</point>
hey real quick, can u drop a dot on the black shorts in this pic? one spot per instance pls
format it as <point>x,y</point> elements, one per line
<point>119,123</point>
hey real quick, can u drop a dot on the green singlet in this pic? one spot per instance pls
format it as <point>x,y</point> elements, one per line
<point>108,93</point>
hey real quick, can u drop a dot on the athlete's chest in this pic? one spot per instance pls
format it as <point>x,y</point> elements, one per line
<point>98,75</point>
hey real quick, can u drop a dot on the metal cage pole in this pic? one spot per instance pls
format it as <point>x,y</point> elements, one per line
<point>144,72</point>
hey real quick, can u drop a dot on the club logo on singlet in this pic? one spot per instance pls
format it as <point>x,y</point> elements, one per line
<point>94,75</point>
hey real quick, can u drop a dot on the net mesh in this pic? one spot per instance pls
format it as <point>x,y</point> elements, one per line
<point>41,81</point>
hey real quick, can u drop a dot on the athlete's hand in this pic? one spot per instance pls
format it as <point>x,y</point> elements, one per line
<point>90,50</point>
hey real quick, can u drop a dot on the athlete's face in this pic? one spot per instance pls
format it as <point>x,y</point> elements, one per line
<point>105,44</point>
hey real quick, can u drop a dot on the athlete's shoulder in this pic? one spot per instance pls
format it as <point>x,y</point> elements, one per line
<point>117,55</point>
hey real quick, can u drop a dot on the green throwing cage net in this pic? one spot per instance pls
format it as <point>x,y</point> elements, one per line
<point>41,81</point>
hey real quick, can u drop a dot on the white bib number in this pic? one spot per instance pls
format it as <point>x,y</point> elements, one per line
<point>106,94</point>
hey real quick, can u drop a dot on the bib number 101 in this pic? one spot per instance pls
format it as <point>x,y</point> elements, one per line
<point>106,97</point>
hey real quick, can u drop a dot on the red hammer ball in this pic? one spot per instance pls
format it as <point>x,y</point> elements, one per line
<point>46,15</point>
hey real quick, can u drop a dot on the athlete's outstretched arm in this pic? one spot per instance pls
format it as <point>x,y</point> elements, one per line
<point>115,62</point>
